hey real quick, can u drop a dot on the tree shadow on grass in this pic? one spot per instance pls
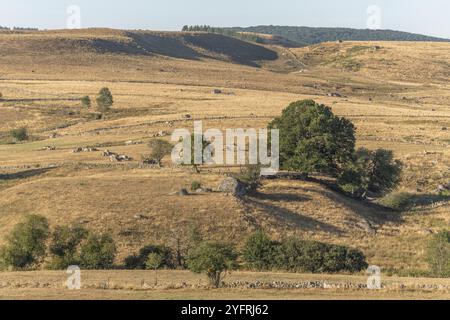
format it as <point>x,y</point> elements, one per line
<point>287,197</point>
<point>421,202</point>
<point>287,216</point>
<point>370,211</point>
<point>24,174</point>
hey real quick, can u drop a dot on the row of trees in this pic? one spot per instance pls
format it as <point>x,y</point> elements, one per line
<point>227,32</point>
<point>31,242</point>
<point>259,253</point>
<point>26,246</point>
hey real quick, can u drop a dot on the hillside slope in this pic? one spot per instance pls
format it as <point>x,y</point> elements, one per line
<point>191,46</point>
<point>308,35</point>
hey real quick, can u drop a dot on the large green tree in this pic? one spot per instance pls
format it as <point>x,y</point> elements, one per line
<point>313,139</point>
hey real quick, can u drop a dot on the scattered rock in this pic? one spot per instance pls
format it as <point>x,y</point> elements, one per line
<point>443,187</point>
<point>140,216</point>
<point>48,148</point>
<point>182,192</point>
<point>119,158</point>
<point>334,94</point>
<point>114,157</point>
<point>160,134</point>
<point>132,143</point>
<point>150,162</point>
<point>79,149</point>
<point>54,135</point>
<point>232,186</point>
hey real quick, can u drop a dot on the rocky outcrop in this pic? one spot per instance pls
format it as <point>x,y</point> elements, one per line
<point>232,186</point>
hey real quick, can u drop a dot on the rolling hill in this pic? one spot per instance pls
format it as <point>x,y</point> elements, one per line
<point>308,35</point>
<point>192,46</point>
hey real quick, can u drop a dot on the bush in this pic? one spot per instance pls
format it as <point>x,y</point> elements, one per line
<point>260,251</point>
<point>195,185</point>
<point>104,100</point>
<point>398,201</point>
<point>316,257</point>
<point>98,252</point>
<point>154,261</point>
<point>250,176</point>
<point>20,134</point>
<point>214,259</point>
<point>86,102</point>
<point>25,245</point>
<point>160,148</point>
<point>65,246</point>
<point>313,139</point>
<point>139,261</point>
<point>438,254</point>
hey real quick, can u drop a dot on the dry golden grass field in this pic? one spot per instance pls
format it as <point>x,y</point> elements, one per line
<point>396,93</point>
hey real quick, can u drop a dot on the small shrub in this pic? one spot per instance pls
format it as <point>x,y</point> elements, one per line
<point>398,201</point>
<point>104,100</point>
<point>20,134</point>
<point>98,252</point>
<point>154,262</point>
<point>250,176</point>
<point>195,185</point>
<point>86,102</point>
<point>438,254</point>
<point>214,259</point>
<point>25,245</point>
<point>139,261</point>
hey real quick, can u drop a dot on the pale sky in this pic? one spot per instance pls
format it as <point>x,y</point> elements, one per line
<point>429,17</point>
